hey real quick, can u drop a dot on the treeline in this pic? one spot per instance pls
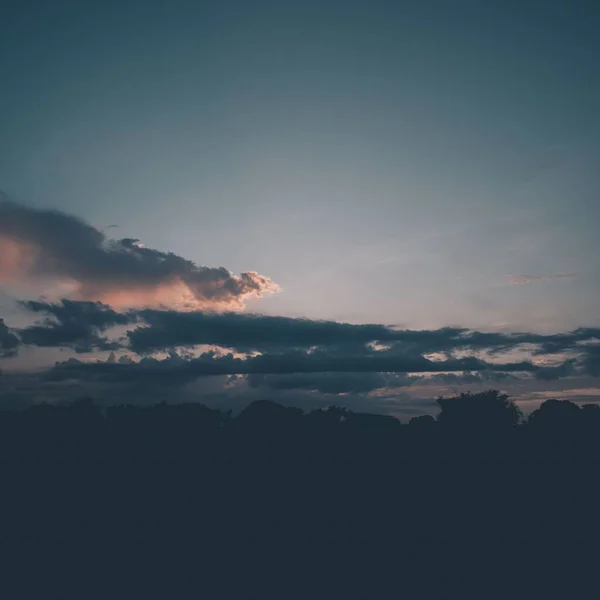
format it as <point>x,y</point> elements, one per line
<point>178,501</point>
<point>81,430</point>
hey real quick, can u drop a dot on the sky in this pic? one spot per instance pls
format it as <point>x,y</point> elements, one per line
<point>415,164</point>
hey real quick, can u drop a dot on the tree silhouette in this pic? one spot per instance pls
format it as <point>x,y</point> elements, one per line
<point>422,424</point>
<point>483,412</point>
<point>555,415</point>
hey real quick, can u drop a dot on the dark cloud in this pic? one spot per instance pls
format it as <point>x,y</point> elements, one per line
<point>369,361</point>
<point>18,390</point>
<point>178,370</point>
<point>212,379</point>
<point>9,342</point>
<point>590,361</point>
<point>469,377</point>
<point>75,325</point>
<point>343,383</point>
<point>246,332</point>
<point>561,342</point>
<point>280,353</point>
<point>90,314</point>
<point>160,330</point>
<point>329,383</point>
<point>565,369</point>
<point>38,244</point>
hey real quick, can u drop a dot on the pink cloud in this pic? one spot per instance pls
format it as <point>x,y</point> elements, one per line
<point>49,247</point>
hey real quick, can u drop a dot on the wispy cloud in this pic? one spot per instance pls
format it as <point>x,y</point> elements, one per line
<point>524,279</point>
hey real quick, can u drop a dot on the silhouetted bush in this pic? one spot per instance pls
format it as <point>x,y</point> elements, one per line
<point>484,412</point>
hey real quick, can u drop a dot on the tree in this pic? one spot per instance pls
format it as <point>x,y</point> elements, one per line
<point>483,412</point>
<point>422,424</point>
<point>554,415</point>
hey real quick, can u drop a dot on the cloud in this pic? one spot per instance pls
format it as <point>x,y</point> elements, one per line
<point>75,325</point>
<point>329,383</point>
<point>590,361</point>
<point>9,342</point>
<point>247,332</point>
<point>469,377</point>
<point>284,356</point>
<point>176,370</point>
<point>564,369</point>
<point>231,382</point>
<point>525,279</point>
<point>285,353</point>
<point>164,329</point>
<point>367,361</point>
<point>22,389</point>
<point>296,377</point>
<point>49,245</point>
<point>160,330</point>
<point>344,383</point>
<point>299,345</point>
<point>559,342</point>
<point>94,314</point>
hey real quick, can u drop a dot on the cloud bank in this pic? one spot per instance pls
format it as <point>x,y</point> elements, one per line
<point>301,360</point>
<point>259,344</point>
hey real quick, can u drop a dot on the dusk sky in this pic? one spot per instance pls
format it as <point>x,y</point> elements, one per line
<point>411,165</point>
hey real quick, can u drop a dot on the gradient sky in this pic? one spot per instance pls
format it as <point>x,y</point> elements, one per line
<point>382,161</point>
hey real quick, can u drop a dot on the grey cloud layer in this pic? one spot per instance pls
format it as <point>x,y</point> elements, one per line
<point>329,383</point>
<point>168,329</point>
<point>301,345</point>
<point>176,369</point>
<point>159,330</point>
<point>344,383</point>
<point>244,332</point>
<point>290,356</point>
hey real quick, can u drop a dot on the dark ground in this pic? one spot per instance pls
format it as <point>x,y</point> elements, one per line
<point>182,501</point>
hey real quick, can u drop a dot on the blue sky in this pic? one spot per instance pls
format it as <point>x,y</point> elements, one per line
<point>390,162</point>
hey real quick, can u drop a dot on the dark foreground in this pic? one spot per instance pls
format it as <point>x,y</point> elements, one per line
<point>186,502</point>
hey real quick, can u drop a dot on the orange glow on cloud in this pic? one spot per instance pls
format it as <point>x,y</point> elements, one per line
<point>19,259</point>
<point>48,249</point>
<point>175,295</point>
<point>16,258</point>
